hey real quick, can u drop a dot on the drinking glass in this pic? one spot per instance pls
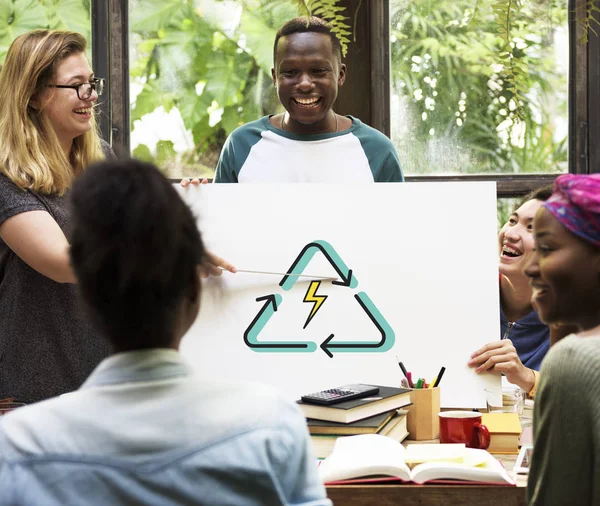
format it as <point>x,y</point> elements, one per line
<point>505,400</point>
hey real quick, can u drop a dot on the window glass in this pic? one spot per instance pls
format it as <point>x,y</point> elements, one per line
<point>453,103</point>
<point>20,16</point>
<point>199,69</point>
<point>505,207</point>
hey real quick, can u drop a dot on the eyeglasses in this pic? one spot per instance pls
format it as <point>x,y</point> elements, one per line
<point>84,90</point>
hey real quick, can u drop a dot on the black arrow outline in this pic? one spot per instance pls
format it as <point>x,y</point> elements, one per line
<point>325,345</point>
<point>270,300</point>
<point>345,281</point>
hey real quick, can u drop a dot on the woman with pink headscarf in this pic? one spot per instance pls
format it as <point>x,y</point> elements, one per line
<point>565,277</point>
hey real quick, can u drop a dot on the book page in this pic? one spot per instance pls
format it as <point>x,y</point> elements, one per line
<point>364,455</point>
<point>449,452</point>
<point>479,465</point>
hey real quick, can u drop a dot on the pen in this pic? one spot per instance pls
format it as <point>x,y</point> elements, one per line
<point>419,383</point>
<point>402,368</point>
<point>407,375</point>
<point>439,377</point>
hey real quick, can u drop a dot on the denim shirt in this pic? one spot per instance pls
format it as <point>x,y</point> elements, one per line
<point>144,429</point>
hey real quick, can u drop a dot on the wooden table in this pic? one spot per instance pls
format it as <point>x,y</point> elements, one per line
<point>433,495</point>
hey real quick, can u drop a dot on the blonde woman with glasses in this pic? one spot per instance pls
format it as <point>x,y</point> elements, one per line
<point>48,136</point>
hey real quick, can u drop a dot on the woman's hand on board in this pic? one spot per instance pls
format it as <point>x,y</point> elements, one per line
<point>502,357</point>
<point>186,181</point>
<point>214,265</point>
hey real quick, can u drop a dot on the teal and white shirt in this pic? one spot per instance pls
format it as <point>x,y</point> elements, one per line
<point>257,152</point>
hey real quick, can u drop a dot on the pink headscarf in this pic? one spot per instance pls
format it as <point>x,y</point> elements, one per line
<point>576,204</point>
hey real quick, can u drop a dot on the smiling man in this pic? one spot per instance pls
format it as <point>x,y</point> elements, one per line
<point>309,142</point>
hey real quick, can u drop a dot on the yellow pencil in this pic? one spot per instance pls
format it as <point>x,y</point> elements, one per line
<point>433,382</point>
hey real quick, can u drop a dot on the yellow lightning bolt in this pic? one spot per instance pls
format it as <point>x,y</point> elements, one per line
<point>317,300</point>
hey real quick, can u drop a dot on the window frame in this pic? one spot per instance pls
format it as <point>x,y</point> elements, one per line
<point>368,76</point>
<point>110,58</point>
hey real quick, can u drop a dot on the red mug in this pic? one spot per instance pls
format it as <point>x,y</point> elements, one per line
<point>464,427</point>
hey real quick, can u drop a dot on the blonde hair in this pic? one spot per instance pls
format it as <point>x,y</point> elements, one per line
<point>30,153</point>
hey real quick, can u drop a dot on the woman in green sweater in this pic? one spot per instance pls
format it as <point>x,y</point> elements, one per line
<point>565,276</point>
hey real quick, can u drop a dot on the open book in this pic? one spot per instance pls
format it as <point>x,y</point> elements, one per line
<point>371,455</point>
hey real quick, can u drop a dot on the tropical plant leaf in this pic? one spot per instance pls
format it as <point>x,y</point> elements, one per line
<point>152,15</point>
<point>151,97</point>
<point>259,39</point>
<point>142,152</point>
<point>18,17</point>
<point>193,108</point>
<point>226,76</point>
<point>165,152</point>
<point>203,133</point>
<point>231,119</point>
<point>69,15</point>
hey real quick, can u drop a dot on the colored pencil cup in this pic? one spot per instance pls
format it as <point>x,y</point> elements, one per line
<point>422,419</point>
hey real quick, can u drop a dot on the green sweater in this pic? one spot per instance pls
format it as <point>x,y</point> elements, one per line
<point>565,467</point>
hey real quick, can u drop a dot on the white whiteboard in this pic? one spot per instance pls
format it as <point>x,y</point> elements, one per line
<point>424,284</point>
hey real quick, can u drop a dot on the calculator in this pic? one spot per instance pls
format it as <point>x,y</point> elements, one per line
<point>340,394</point>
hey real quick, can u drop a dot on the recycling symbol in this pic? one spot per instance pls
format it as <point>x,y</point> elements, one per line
<point>272,302</point>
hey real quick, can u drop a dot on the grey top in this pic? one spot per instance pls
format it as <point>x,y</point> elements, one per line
<point>47,346</point>
<point>565,467</point>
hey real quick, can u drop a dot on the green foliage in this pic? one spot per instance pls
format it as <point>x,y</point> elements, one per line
<point>331,11</point>
<point>69,15</point>
<point>591,19</point>
<point>478,68</point>
<point>515,70</point>
<point>456,96</point>
<point>21,16</point>
<point>165,152</point>
<point>504,208</point>
<point>16,18</point>
<point>142,152</point>
<point>213,65</point>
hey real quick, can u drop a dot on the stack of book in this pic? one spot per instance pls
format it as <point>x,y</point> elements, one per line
<point>505,432</point>
<point>371,415</point>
